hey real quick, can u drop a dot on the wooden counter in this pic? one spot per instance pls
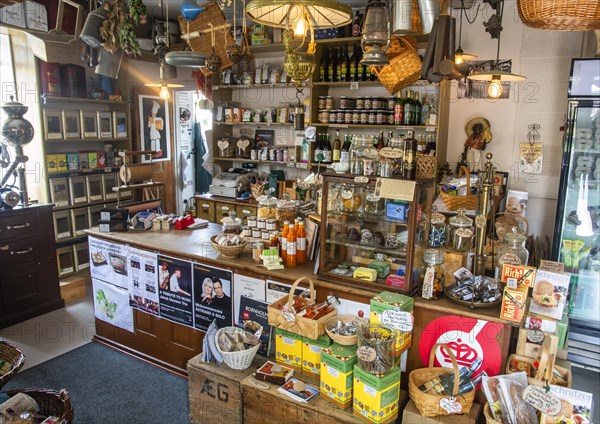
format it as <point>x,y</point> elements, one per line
<point>173,344</point>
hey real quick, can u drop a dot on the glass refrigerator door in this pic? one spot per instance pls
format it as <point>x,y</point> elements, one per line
<point>580,220</point>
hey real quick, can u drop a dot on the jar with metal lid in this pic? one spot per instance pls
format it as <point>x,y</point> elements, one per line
<point>434,273</point>
<point>247,232</point>
<point>261,223</point>
<point>344,104</point>
<point>251,221</point>
<point>328,102</point>
<point>360,102</point>
<point>266,207</point>
<point>381,117</point>
<point>390,118</point>
<point>321,102</point>
<point>333,116</point>
<point>286,210</point>
<point>271,224</point>
<point>512,250</point>
<point>391,103</point>
<point>437,233</point>
<point>368,103</point>
<point>460,232</point>
<point>372,117</point>
<point>256,232</point>
<point>232,224</point>
<point>355,117</point>
<point>348,117</point>
<point>374,205</point>
<point>364,117</point>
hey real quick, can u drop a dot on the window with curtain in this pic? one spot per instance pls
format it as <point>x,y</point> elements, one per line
<point>7,75</point>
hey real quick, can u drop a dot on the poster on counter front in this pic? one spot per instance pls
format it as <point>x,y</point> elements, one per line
<point>253,314</point>
<point>243,285</point>
<point>175,290</point>
<point>111,305</point>
<point>212,297</point>
<point>143,281</point>
<point>108,261</point>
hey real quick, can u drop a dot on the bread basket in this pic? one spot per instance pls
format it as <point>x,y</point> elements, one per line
<point>339,339</point>
<point>228,251</point>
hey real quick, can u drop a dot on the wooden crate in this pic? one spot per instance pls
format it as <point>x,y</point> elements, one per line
<point>411,415</point>
<point>72,288</point>
<point>215,392</point>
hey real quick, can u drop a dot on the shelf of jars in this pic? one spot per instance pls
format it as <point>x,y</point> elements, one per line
<point>428,128</point>
<point>254,86</point>
<point>299,165</point>
<point>49,100</point>
<point>254,124</point>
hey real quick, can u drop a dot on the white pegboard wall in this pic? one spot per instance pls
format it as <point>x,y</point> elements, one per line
<point>546,86</point>
<point>551,44</point>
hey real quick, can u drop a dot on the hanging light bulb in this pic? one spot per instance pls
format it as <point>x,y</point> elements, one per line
<point>459,55</point>
<point>164,92</point>
<point>495,88</point>
<point>300,28</point>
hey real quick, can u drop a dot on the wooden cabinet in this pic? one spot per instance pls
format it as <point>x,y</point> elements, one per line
<point>214,209</point>
<point>222,210</point>
<point>28,270</point>
<point>244,211</point>
<point>205,209</point>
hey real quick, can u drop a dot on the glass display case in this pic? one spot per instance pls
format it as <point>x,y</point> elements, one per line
<point>373,231</point>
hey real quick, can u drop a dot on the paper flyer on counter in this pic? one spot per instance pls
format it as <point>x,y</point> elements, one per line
<point>175,290</point>
<point>109,261</point>
<point>143,280</point>
<point>212,296</point>
<point>252,288</point>
<point>111,305</point>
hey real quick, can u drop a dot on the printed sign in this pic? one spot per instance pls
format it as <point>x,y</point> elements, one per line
<point>212,296</point>
<point>542,400</point>
<point>143,281</point>
<point>175,290</point>
<point>111,306</point>
<point>109,261</point>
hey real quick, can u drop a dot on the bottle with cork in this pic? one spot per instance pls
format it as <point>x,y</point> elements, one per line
<point>291,248</point>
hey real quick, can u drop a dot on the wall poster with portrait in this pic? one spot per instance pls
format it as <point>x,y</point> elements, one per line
<point>155,127</point>
<point>175,290</point>
<point>212,296</point>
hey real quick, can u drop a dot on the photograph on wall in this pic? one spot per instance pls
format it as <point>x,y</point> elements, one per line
<point>108,261</point>
<point>155,129</point>
<point>212,297</point>
<point>175,290</point>
<point>111,305</point>
<point>469,89</point>
<point>143,280</point>
<point>243,285</point>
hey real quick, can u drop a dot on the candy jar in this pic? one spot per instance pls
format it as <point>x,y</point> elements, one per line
<point>437,233</point>
<point>513,250</point>
<point>433,280</point>
<point>232,224</point>
<point>286,210</point>
<point>266,206</point>
<point>460,232</point>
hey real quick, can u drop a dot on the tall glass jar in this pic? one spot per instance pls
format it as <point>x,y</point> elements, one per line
<point>286,210</point>
<point>266,206</point>
<point>357,154</point>
<point>437,233</point>
<point>433,280</point>
<point>513,250</point>
<point>460,232</point>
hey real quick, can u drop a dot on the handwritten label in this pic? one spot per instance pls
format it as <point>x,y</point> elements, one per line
<point>545,402</point>
<point>361,180</point>
<point>535,336</point>
<point>223,144</point>
<point>397,319</point>
<point>480,221</point>
<point>395,189</point>
<point>450,406</point>
<point>391,152</point>
<point>366,353</point>
<point>243,143</point>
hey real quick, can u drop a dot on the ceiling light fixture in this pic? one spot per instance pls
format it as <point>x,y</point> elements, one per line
<point>287,13</point>
<point>376,33</point>
<point>163,82</point>
<point>459,55</point>
<point>496,76</point>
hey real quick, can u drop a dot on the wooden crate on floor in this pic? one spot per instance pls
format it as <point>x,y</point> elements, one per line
<point>72,288</point>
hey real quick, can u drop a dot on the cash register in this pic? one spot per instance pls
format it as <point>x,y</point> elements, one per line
<point>231,183</point>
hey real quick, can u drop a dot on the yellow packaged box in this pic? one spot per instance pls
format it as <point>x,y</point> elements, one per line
<point>525,275</point>
<point>390,309</point>
<point>337,369</point>
<point>51,164</point>
<point>311,354</point>
<point>376,397</point>
<point>288,348</point>
<point>61,162</point>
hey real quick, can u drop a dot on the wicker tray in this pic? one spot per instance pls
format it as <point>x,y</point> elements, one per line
<point>51,402</point>
<point>228,251</point>
<point>343,340</point>
<point>240,360</point>
<point>13,355</point>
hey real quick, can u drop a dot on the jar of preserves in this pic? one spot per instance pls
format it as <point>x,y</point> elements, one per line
<point>348,117</point>
<point>251,221</point>
<point>391,103</point>
<point>344,104</point>
<point>512,250</point>
<point>266,206</point>
<point>372,117</point>
<point>364,117</point>
<point>434,273</point>
<point>352,198</point>
<point>271,224</point>
<point>360,102</point>
<point>437,233</point>
<point>232,224</point>
<point>368,103</point>
<point>355,117</point>
<point>321,102</point>
<point>381,117</point>
<point>328,102</point>
<point>286,210</point>
<point>460,232</point>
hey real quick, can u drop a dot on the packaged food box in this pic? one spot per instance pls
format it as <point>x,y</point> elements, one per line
<point>525,275</point>
<point>61,161</point>
<point>550,292</point>
<point>288,349</point>
<point>92,160</point>
<point>376,397</point>
<point>311,354</point>
<point>51,164</point>
<point>73,161</point>
<point>337,369</point>
<point>387,308</point>
<point>513,305</point>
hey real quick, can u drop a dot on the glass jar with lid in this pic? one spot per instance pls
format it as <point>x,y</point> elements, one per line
<point>460,232</point>
<point>512,250</point>
<point>266,207</point>
<point>351,197</point>
<point>434,273</point>
<point>286,210</point>
<point>232,224</point>
<point>374,205</point>
<point>357,154</point>
<point>437,232</point>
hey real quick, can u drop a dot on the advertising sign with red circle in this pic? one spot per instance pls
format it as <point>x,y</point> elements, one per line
<point>468,338</point>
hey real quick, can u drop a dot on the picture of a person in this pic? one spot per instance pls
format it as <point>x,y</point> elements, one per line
<point>156,125</point>
<point>163,277</point>
<point>207,291</point>
<point>174,283</point>
<point>220,299</point>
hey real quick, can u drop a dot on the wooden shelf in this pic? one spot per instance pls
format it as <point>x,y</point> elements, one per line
<point>71,173</point>
<point>84,140</point>
<point>83,205</point>
<point>137,186</point>
<point>422,40</point>
<point>300,165</point>
<point>256,124</point>
<point>47,101</point>
<point>267,48</point>
<point>255,86</point>
<point>375,83</point>
<point>431,128</point>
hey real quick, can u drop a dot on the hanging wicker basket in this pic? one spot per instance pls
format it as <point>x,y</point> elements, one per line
<point>560,15</point>
<point>404,68</point>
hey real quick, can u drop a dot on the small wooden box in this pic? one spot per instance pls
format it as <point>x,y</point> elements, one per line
<point>215,391</point>
<point>72,289</point>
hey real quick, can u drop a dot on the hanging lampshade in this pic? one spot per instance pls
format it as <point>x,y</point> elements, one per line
<point>166,72</point>
<point>288,13</point>
<point>459,55</point>
<point>376,34</point>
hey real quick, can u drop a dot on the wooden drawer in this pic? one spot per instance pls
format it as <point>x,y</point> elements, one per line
<point>244,211</point>
<point>20,251</point>
<point>18,225</point>
<point>222,210</point>
<point>205,209</point>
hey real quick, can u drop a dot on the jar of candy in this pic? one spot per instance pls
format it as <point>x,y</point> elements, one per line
<point>360,102</point>
<point>232,224</point>
<point>512,250</point>
<point>266,207</point>
<point>437,233</point>
<point>460,232</point>
<point>434,273</point>
<point>286,210</point>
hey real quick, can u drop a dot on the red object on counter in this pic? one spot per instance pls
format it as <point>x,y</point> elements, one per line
<point>183,223</point>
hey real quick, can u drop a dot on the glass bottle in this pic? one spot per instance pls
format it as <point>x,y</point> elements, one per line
<point>318,154</point>
<point>291,247</point>
<point>327,150</point>
<point>301,301</point>
<point>323,65</point>
<point>408,109</point>
<point>409,168</point>
<point>321,309</point>
<point>460,232</point>
<point>353,63</point>
<point>284,234</point>
<point>444,384</point>
<point>337,147</point>
<point>417,109</point>
<point>425,111</point>
<point>433,280</point>
<point>512,250</point>
<point>345,152</point>
<point>357,24</point>
<point>359,145</point>
<point>437,233</point>
<point>301,243</point>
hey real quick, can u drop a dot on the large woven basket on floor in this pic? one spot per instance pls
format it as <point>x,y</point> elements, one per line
<point>12,355</point>
<point>51,402</point>
<point>560,15</point>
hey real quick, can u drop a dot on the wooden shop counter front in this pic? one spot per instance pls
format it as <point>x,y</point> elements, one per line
<point>471,333</point>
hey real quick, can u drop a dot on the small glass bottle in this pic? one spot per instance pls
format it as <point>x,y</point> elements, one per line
<point>460,232</point>
<point>433,280</point>
<point>513,250</point>
<point>321,309</point>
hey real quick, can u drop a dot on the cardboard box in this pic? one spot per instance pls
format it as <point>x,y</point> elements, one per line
<point>311,354</point>
<point>61,160</point>
<point>83,161</point>
<point>384,309</point>
<point>92,160</point>
<point>550,292</point>
<point>526,273</point>
<point>73,161</point>
<point>513,305</point>
<point>376,398</point>
<point>337,370</point>
<point>411,415</point>
<point>72,289</point>
<point>51,164</point>
<point>288,349</point>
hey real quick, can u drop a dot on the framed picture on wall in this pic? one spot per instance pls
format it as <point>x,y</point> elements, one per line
<point>52,124</point>
<point>89,124</point>
<point>71,124</point>
<point>105,124</point>
<point>155,127</point>
<point>120,124</point>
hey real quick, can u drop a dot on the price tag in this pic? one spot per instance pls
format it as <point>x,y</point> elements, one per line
<point>391,152</point>
<point>480,221</point>
<point>354,85</point>
<point>338,125</point>
<point>544,401</point>
<point>450,406</point>
<point>361,180</point>
<point>366,353</point>
<point>429,129</point>
<point>403,127</point>
<point>397,319</point>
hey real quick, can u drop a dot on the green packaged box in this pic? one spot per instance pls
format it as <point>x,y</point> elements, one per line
<point>384,310</point>
<point>376,397</point>
<point>311,354</point>
<point>337,368</point>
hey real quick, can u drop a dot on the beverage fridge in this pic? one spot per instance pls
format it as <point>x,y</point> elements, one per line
<point>577,227</point>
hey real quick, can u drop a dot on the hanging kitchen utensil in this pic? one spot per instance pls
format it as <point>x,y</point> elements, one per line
<point>186,58</point>
<point>89,55</point>
<point>90,33</point>
<point>213,60</point>
<point>108,63</point>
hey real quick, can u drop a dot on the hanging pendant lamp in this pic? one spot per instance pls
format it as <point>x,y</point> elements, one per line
<point>496,76</point>
<point>459,55</point>
<point>163,82</point>
<point>281,13</point>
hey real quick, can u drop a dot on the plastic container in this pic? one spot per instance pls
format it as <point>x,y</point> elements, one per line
<point>460,232</point>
